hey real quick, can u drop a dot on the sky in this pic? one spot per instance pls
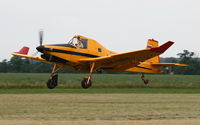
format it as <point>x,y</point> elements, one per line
<point>119,25</point>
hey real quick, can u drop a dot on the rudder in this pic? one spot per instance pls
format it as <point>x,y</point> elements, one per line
<point>151,43</point>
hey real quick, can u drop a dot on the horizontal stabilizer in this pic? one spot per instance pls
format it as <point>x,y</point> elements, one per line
<point>168,64</point>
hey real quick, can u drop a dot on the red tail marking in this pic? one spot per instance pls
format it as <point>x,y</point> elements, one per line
<point>162,48</point>
<point>23,50</point>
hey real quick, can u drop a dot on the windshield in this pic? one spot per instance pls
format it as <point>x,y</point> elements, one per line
<point>77,42</point>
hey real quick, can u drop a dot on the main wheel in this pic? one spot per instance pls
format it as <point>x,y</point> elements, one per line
<point>84,83</point>
<point>52,82</point>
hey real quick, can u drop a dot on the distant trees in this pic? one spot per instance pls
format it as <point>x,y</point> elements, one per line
<point>187,57</point>
<point>4,66</point>
<point>19,65</point>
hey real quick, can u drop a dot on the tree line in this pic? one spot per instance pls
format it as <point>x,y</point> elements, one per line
<point>186,57</point>
<point>19,65</point>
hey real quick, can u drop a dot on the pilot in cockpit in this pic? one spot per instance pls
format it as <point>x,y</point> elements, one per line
<point>79,43</point>
<point>76,42</point>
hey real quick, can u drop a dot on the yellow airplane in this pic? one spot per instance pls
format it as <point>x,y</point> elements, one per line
<point>87,55</point>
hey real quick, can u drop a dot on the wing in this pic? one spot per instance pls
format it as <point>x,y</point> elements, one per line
<point>31,57</point>
<point>23,53</point>
<point>167,64</point>
<point>122,61</point>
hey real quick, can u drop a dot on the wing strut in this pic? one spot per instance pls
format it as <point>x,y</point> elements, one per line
<point>92,64</point>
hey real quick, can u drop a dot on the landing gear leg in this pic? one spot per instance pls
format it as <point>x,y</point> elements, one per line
<point>146,81</point>
<point>86,82</point>
<point>53,80</point>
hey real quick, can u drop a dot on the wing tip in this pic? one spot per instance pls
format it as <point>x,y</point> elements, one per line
<point>24,50</point>
<point>162,48</point>
<point>182,65</point>
<point>168,64</point>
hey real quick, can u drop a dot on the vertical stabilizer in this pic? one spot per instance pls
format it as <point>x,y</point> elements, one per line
<point>152,44</point>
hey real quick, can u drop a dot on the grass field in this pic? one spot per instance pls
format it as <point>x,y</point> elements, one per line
<point>113,100</point>
<point>17,80</point>
<point>102,91</point>
<point>98,109</point>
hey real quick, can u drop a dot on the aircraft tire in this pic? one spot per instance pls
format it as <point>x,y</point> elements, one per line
<point>146,81</point>
<point>84,83</point>
<point>52,82</point>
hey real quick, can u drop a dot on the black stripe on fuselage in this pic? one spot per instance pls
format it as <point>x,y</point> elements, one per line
<point>70,52</point>
<point>135,66</point>
<point>143,67</point>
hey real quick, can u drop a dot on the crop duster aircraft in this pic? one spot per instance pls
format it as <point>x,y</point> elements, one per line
<point>87,55</point>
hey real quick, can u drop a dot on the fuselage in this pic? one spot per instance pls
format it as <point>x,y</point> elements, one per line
<point>70,54</point>
<point>79,47</point>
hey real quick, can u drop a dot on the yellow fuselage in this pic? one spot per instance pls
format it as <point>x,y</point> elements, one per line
<point>72,55</point>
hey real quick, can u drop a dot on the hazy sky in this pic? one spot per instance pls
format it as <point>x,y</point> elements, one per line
<point>119,25</point>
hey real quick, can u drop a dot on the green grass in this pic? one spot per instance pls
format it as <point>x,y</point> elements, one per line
<point>104,91</point>
<point>54,109</point>
<point>117,99</point>
<point>38,80</point>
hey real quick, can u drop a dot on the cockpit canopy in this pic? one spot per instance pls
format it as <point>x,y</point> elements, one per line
<point>78,42</point>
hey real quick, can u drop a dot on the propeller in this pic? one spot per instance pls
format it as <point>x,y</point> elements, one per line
<point>40,48</point>
<point>41,34</point>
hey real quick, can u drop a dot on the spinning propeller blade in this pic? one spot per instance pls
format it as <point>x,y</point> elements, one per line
<point>41,34</point>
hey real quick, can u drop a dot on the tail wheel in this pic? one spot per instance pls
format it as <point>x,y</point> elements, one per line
<point>52,82</point>
<point>85,83</point>
<point>146,81</point>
